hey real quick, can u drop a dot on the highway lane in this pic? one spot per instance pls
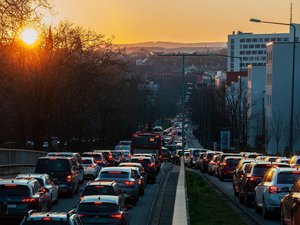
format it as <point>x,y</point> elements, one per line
<point>139,214</point>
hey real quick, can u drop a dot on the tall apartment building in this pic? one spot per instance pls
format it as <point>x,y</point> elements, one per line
<point>252,47</point>
<point>278,97</point>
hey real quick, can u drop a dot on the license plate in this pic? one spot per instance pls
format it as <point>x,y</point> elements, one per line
<point>11,206</point>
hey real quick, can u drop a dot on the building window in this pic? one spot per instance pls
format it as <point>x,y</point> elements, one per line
<point>248,40</point>
<point>242,52</point>
<point>263,46</point>
<point>263,58</point>
<point>251,46</point>
<point>273,39</point>
<point>245,58</point>
<point>254,52</point>
<point>232,47</point>
<point>254,39</point>
<point>260,52</point>
<point>232,41</point>
<point>286,39</point>
<point>267,39</point>
<point>248,52</point>
<point>257,46</point>
<point>242,40</point>
<point>279,39</point>
<point>245,46</point>
<point>232,53</point>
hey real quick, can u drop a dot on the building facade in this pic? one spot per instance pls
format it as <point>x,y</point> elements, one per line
<point>251,48</point>
<point>278,97</point>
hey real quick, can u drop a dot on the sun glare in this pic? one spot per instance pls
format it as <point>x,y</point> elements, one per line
<point>29,36</point>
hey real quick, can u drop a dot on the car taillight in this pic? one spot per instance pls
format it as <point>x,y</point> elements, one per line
<point>92,165</point>
<point>151,165</point>
<point>110,157</point>
<point>80,215</point>
<point>47,219</point>
<point>81,197</point>
<point>29,200</point>
<point>98,161</point>
<point>256,179</point>
<point>273,190</point>
<point>139,181</point>
<point>224,164</point>
<point>116,216</point>
<point>69,178</point>
<point>129,183</point>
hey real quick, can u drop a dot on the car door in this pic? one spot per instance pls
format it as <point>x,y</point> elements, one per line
<point>53,189</point>
<point>264,185</point>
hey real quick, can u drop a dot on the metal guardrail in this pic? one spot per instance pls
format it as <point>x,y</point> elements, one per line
<point>19,156</point>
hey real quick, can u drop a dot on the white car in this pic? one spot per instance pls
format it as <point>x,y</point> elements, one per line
<point>275,185</point>
<point>45,181</point>
<point>90,167</point>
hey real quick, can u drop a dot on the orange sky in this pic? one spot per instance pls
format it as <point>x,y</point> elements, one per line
<point>131,21</point>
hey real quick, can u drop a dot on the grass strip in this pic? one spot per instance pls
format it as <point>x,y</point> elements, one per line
<point>206,207</point>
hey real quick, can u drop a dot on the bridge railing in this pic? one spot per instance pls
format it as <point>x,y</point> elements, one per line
<point>11,157</point>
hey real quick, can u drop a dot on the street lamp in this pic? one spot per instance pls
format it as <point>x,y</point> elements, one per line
<point>291,131</point>
<point>183,55</point>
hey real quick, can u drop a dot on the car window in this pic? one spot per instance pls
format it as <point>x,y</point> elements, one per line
<point>14,190</point>
<point>260,169</point>
<point>87,161</point>
<point>52,165</point>
<point>95,207</point>
<point>268,176</point>
<point>143,161</point>
<point>114,174</point>
<point>232,162</point>
<point>99,190</point>
<point>287,177</point>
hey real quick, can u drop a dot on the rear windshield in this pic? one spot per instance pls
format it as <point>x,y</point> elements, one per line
<point>115,154</point>
<point>114,174</point>
<point>99,190</point>
<point>144,162</point>
<point>92,207</point>
<point>260,169</point>
<point>87,161</point>
<point>196,152</point>
<point>232,162</point>
<point>105,154</point>
<point>52,165</point>
<point>14,190</point>
<point>287,177</point>
<point>95,156</point>
<point>40,222</point>
<point>210,155</point>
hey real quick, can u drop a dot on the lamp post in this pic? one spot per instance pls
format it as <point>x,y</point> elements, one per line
<point>291,130</point>
<point>240,94</point>
<point>183,55</point>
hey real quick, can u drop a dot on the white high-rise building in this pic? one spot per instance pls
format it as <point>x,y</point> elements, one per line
<point>278,97</point>
<point>252,47</point>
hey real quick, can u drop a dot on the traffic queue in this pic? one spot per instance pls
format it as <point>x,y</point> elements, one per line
<point>270,184</point>
<point>113,182</point>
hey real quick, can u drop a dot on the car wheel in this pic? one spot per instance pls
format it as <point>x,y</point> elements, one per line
<point>281,216</point>
<point>241,199</point>
<point>246,200</point>
<point>265,212</point>
<point>256,208</point>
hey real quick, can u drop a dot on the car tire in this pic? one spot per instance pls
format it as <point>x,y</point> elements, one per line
<point>265,212</point>
<point>256,208</point>
<point>281,217</point>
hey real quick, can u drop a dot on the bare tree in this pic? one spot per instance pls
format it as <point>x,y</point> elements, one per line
<point>277,127</point>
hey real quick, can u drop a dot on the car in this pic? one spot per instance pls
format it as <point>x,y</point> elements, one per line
<point>212,164</point>
<point>251,155</point>
<point>149,166</point>
<point>165,155</point>
<point>271,158</point>
<point>205,160</point>
<point>252,178</point>
<point>143,174</point>
<point>154,158</point>
<point>140,179</point>
<point>127,143</point>
<point>283,160</point>
<point>193,157</point>
<point>99,158</point>
<point>125,178</point>
<point>295,161</point>
<point>102,188</point>
<point>103,209</point>
<point>118,157</point>
<point>108,156</point>
<point>91,168</point>
<point>63,170</point>
<point>76,156</point>
<point>274,186</point>
<point>227,166</point>
<point>240,172</point>
<point>45,181</point>
<point>222,156</point>
<point>50,218</point>
<point>289,205</point>
<point>18,196</point>
<point>186,157</point>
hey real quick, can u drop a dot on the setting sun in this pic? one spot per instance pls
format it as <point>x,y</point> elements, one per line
<point>29,36</point>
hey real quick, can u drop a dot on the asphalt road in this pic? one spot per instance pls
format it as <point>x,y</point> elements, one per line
<point>141,214</point>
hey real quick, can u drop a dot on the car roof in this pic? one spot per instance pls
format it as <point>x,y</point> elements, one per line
<point>233,157</point>
<point>62,216</point>
<point>285,169</point>
<point>33,175</point>
<point>84,158</point>
<point>131,164</point>
<point>100,198</point>
<point>16,181</point>
<point>124,169</point>
<point>56,157</point>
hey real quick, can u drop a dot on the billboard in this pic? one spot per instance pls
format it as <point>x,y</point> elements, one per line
<point>224,139</point>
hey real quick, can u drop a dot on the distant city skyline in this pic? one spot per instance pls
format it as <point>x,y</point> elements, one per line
<point>184,21</point>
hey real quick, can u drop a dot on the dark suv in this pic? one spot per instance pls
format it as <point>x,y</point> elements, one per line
<point>63,170</point>
<point>18,196</point>
<point>149,166</point>
<point>51,218</point>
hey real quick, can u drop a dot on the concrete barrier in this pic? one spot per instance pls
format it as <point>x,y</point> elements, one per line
<point>19,156</point>
<point>12,170</point>
<point>180,214</point>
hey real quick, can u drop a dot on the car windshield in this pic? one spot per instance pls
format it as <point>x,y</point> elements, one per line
<point>260,170</point>
<point>232,162</point>
<point>210,155</point>
<point>96,207</point>
<point>14,190</point>
<point>55,165</point>
<point>287,177</point>
<point>98,190</point>
<point>114,174</point>
<point>196,152</point>
<point>48,222</point>
<point>95,156</point>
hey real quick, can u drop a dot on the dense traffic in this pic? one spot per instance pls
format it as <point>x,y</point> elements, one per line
<point>270,184</point>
